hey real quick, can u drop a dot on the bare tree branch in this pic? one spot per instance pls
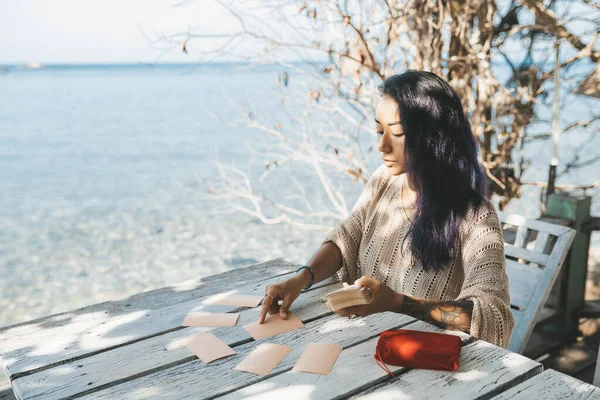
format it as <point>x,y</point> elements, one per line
<point>345,50</point>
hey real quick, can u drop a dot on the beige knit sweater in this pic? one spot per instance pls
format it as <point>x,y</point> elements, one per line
<point>370,240</point>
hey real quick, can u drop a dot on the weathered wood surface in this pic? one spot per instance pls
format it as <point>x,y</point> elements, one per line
<point>532,275</point>
<point>46,342</point>
<point>540,242</point>
<point>484,369</point>
<point>527,255</point>
<point>539,289</point>
<point>138,354</point>
<point>6,392</point>
<point>354,371</point>
<point>522,278</point>
<point>199,380</point>
<point>597,372</point>
<point>550,385</point>
<point>540,226</point>
<point>151,355</point>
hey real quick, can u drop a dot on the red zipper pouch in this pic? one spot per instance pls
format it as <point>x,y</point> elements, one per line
<point>416,349</point>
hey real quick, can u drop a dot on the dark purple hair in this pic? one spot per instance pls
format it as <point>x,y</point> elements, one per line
<point>442,164</point>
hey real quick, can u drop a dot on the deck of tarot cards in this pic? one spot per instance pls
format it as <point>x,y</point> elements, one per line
<point>348,296</point>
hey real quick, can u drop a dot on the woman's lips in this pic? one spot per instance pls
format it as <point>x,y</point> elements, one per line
<point>389,163</point>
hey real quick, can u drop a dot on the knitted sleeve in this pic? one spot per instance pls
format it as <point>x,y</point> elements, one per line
<point>485,282</point>
<point>348,232</point>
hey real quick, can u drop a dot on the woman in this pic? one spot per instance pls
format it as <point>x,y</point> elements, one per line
<point>422,235</point>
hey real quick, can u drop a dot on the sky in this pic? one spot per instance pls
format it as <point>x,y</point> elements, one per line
<point>108,31</point>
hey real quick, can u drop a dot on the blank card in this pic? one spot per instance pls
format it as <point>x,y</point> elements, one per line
<point>273,325</point>
<point>208,347</point>
<point>318,358</point>
<point>264,358</point>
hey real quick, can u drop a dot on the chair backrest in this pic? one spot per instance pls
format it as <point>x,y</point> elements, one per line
<point>597,371</point>
<point>533,261</point>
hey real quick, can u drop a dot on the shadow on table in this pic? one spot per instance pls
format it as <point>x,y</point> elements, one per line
<point>6,393</point>
<point>36,345</point>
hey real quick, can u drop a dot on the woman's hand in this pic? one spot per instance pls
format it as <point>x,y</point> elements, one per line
<point>383,299</point>
<point>287,291</point>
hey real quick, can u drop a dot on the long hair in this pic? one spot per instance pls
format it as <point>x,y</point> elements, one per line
<point>441,156</point>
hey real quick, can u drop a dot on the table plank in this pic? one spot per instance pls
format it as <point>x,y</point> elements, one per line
<point>40,345</point>
<point>354,371</point>
<point>198,380</point>
<point>151,355</point>
<point>6,392</point>
<point>549,385</point>
<point>484,370</point>
<point>124,354</point>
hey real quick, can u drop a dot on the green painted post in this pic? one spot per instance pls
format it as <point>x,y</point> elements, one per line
<point>571,294</point>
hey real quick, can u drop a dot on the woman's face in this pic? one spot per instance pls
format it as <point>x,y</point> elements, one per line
<point>390,135</point>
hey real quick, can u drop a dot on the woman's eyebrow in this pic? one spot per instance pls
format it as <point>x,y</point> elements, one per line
<point>393,123</point>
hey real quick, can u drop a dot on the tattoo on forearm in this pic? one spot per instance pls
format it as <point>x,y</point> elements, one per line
<point>451,315</point>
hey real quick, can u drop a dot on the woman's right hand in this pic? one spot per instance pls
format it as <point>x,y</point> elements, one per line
<point>286,291</point>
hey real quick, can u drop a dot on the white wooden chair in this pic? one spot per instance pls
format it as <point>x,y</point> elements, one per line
<point>533,261</point>
<point>597,371</point>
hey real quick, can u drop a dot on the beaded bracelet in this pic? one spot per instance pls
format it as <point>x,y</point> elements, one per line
<point>311,274</point>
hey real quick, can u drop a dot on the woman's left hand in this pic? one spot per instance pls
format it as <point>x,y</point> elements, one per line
<point>383,299</point>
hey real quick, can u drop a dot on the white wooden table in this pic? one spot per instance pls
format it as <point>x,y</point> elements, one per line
<point>131,349</point>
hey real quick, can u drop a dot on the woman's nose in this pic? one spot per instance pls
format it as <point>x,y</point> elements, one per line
<point>384,144</point>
